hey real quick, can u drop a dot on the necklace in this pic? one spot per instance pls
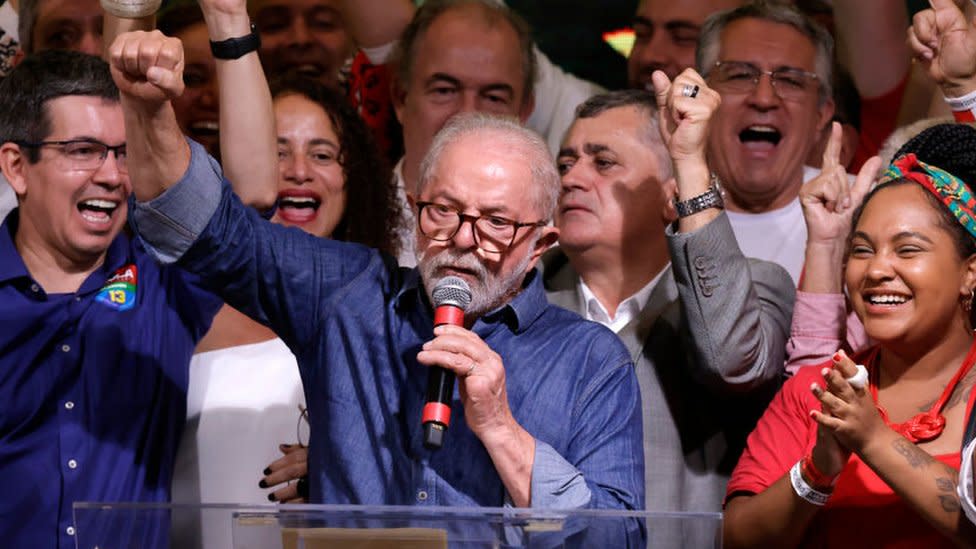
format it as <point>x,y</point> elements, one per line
<point>928,425</point>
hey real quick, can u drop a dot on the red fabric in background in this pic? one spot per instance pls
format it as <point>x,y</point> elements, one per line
<point>879,118</point>
<point>863,511</point>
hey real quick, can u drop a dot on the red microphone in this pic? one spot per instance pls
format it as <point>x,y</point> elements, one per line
<point>451,297</point>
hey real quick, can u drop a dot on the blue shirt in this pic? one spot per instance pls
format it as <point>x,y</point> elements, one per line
<point>356,322</point>
<point>92,389</point>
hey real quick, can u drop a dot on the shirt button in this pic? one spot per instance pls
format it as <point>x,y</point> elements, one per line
<point>35,288</point>
<point>70,530</point>
<point>69,405</point>
<point>66,348</point>
<point>77,298</point>
<point>421,496</point>
<point>72,464</point>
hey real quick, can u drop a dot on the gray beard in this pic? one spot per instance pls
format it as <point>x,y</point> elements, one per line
<point>488,292</point>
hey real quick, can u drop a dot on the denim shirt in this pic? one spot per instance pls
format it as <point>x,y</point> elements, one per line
<point>356,322</point>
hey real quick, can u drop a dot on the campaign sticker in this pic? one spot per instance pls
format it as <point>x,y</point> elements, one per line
<point>119,292</point>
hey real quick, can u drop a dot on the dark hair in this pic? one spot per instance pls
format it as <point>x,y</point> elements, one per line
<point>491,10</point>
<point>44,76</point>
<point>177,16</point>
<point>847,100</point>
<point>600,103</point>
<point>950,147</point>
<point>372,212</point>
<point>646,103</point>
<point>707,52</point>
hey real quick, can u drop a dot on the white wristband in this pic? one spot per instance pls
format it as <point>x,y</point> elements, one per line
<point>131,9</point>
<point>804,490</point>
<point>963,108</point>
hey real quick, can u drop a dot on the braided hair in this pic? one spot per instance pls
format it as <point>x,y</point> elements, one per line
<point>951,147</point>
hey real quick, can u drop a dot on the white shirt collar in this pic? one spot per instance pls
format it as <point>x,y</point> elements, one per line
<point>626,311</point>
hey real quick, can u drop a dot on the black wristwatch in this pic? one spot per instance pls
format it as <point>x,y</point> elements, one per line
<point>712,198</point>
<point>234,48</point>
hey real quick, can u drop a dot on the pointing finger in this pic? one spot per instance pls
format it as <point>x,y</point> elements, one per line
<point>831,155</point>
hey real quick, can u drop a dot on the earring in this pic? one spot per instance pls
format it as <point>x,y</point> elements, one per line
<point>967,305</point>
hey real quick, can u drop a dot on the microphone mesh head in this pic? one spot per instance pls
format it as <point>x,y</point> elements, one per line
<point>452,290</point>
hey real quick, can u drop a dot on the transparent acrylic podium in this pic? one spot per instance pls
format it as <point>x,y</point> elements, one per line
<point>220,526</point>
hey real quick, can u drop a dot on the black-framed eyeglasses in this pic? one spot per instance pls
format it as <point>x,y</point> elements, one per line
<point>742,77</point>
<point>492,233</point>
<point>82,154</point>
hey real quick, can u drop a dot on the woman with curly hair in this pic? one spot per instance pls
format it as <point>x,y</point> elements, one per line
<point>334,183</point>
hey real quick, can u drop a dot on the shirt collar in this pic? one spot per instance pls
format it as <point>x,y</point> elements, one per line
<point>627,310</point>
<point>521,311</point>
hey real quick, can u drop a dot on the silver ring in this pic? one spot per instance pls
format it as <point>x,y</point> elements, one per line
<point>860,378</point>
<point>690,90</point>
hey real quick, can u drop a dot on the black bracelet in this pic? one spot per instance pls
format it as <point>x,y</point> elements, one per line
<point>234,48</point>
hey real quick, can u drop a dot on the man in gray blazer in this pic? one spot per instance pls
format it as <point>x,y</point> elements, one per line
<point>706,327</point>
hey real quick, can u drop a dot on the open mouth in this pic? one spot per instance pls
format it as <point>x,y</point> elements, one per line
<point>886,300</point>
<point>298,209</point>
<point>305,67</point>
<point>204,128</point>
<point>761,135</point>
<point>97,210</point>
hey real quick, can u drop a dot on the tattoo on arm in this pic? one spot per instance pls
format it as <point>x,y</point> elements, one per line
<point>915,456</point>
<point>950,503</point>
<point>949,500</point>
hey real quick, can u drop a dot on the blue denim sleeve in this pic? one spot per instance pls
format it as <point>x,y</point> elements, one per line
<point>555,482</point>
<point>170,223</point>
<point>279,276</point>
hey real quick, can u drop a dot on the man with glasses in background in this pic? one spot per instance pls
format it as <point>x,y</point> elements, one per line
<point>547,412</point>
<point>772,67</point>
<point>94,336</point>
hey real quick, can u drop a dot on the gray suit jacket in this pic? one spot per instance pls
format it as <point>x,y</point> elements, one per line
<point>709,349</point>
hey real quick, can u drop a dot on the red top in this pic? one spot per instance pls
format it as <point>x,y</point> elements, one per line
<point>863,511</point>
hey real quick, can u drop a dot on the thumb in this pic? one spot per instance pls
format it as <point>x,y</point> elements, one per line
<point>662,87</point>
<point>166,80</point>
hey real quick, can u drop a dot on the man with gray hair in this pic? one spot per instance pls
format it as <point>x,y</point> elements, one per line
<point>548,407</point>
<point>706,328</point>
<point>772,67</point>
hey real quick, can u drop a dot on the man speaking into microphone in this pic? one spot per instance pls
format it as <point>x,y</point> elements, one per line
<point>547,407</point>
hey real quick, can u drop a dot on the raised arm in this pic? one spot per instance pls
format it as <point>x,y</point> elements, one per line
<point>820,322</point>
<point>943,38</point>
<point>871,43</point>
<point>186,213</point>
<point>248,143</point>
<point>148,69</point>
<point>737,310</point>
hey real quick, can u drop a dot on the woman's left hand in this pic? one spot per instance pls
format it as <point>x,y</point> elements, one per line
<point>848,412</point>
<point>293,466</point>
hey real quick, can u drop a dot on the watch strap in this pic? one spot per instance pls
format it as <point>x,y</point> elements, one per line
<point>712,198</point>
<point>235,48</point>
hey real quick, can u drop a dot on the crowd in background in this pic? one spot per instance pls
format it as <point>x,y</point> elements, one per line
<point>224,222</point>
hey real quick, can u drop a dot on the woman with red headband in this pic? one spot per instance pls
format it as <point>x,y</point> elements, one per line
<point>865,450</point>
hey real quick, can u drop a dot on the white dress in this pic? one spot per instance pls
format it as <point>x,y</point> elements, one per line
<point>242,403</point>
